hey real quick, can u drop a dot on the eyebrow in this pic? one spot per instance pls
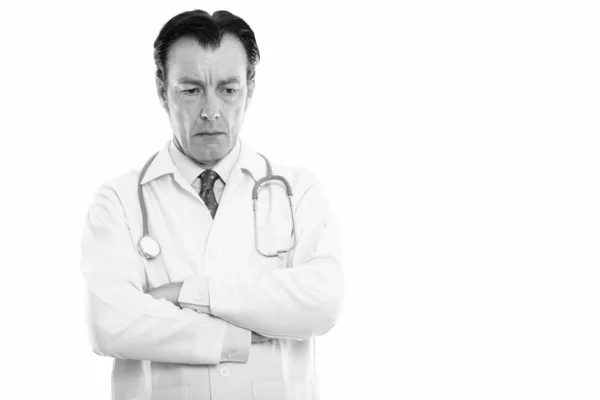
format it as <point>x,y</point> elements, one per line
<point>194,81</point>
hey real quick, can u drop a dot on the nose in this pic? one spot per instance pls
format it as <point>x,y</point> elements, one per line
<point>210,110</point>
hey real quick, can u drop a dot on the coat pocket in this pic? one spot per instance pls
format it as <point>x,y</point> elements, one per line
<point>279,390</point>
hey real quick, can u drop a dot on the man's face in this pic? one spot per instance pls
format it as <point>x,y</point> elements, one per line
<point>206,95</point>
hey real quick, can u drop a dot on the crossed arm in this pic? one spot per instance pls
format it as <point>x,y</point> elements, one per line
<point>128,321</point>
<point>171,292</point>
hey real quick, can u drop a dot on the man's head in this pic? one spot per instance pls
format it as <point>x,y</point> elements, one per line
<point>205,68</point>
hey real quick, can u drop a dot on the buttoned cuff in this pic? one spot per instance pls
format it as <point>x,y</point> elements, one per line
<point>236,346</point>
<point>194,294</point>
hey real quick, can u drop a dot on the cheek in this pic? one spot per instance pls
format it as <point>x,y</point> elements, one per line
<point>182,115</point>
<point>236,109</point>
<point>235,117</point>
<point>237,113</point>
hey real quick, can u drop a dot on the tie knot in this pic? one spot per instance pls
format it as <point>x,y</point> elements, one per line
<point>207,179</point>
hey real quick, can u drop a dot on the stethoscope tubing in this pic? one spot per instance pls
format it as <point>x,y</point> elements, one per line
<point>141,196</point>
<point>146,238</point>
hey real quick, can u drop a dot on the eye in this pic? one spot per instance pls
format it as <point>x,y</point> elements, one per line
<point>230,90</point>
<point>191,92</point>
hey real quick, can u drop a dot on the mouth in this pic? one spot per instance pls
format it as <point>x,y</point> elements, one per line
<point>209,133</point>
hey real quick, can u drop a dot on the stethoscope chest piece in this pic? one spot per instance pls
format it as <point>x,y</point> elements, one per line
<point>148,247</point>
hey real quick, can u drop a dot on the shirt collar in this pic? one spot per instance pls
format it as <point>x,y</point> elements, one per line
<point>190,170</point>
<point>242,156</point>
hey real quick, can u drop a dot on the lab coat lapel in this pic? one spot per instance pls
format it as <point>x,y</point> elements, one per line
<point>234,225</point>
<point>238,190</point>
<point>235,209</point>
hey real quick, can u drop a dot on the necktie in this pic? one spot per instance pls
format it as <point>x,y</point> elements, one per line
<point>207,194</point>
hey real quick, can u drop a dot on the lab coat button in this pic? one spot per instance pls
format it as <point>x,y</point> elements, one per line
<point>230,355</point>
<point>216,254</point>
<point>224,371</point>
<point>198,297</point>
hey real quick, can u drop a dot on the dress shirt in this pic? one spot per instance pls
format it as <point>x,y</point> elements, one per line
<point>195,291</point>
<point>191,171</point>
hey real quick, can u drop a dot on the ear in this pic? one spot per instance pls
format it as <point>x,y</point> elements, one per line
<point>161,90</point>
<point>250,92</point>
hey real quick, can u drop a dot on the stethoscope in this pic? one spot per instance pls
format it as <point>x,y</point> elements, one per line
<point>149,248</point>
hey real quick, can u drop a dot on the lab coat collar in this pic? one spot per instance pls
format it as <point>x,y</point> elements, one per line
<point>161,165</point>
<point>248,159</point>
<point>191,171</point>
<point>251,161</point>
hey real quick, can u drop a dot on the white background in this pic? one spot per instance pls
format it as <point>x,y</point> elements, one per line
<point>457,140</point>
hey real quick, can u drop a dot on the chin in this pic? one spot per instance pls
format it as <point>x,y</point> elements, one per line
<point>209,149</point>
<point>209,155</point>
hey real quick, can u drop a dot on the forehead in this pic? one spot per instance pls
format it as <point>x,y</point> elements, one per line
<point>188,58</point>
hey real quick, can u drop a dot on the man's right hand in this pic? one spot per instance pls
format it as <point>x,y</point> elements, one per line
<point>256,338</point>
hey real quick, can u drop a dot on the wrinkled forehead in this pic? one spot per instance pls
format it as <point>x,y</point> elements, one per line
<point>188,58</point>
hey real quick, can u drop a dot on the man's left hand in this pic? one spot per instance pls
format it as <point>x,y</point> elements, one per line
<point>169,292</point>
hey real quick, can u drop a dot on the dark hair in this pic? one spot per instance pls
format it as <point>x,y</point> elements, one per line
<point>208,31</point>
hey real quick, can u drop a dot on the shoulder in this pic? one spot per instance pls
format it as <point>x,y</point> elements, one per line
<point>309,196</point>
<point>308,190</point>
<point>124,187</point>
<point>300,178</point>
<point>118,190</point>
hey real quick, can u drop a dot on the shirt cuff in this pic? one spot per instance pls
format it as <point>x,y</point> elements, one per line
<point>236,346</point>
<point>194,294</point>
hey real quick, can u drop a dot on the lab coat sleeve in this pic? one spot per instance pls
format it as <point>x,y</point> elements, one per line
<point>194,295</point>
<point>291,303</point>
<point>125,322</point>
<point>236,347</point>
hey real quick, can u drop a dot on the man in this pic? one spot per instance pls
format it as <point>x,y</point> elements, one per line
<point>210,317</point>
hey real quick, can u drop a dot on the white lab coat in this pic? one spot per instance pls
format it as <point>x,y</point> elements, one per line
<point>162,351</point>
